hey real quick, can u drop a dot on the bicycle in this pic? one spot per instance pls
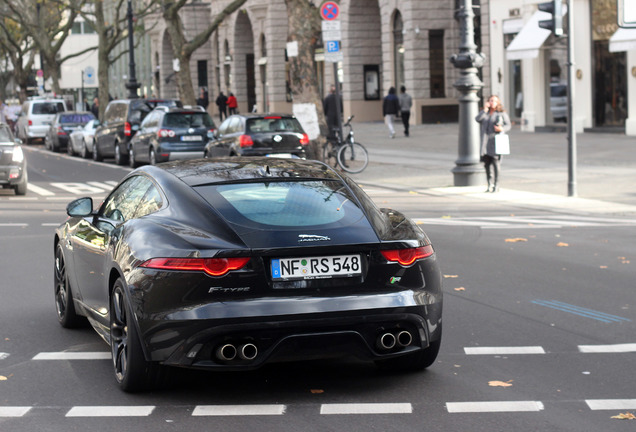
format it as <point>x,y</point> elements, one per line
<point>347,154</point>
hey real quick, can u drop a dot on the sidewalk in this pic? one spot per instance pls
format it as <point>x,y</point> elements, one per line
<point>535,175</point>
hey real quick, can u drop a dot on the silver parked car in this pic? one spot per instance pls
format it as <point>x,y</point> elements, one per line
<point>82,140</point>
<point>13,164</point>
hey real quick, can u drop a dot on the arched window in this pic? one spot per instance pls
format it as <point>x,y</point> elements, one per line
<point>398,49</point>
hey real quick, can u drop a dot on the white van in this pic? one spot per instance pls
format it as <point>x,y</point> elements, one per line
<point>36,117</point>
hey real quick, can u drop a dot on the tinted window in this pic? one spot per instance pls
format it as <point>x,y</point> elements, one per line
<point>47,108</point>
<point>286,204</point>
<point>558,91</point>
<point>115,112</point>
<point>79,118</point>
<point>188,120</point>
<point>150,203</point>
<point>273,125</point>
<point>123,201</point>
<point>223,129</point>
<point>236,125</point>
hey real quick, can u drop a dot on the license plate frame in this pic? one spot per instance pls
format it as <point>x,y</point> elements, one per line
<point>191,138</point>
<point>321,267</point>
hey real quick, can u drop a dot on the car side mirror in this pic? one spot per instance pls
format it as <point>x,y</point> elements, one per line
<point>80,207</point>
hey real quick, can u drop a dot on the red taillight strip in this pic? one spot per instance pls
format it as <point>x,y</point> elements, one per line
<point>246,141</point>
<point>406,257</point>
<point>304,140</point>
<point>211,266</point>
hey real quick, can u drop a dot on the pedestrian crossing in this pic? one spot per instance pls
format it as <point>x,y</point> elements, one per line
<point>74,188</point>
<point>527,222</point>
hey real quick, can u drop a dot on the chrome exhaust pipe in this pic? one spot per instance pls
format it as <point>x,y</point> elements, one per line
<point>226,352</point>
<point>248,351</point>
<point>386,341</point>
<point>404,338</point>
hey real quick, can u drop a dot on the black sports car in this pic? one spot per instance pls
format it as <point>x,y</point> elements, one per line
<point>235,262</point>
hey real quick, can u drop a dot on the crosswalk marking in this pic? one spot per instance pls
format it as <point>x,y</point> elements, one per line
<point>611,404</point>
<point>39,190</point>
<point>3,355</point>
<point>503,350</point>
<point>75,188</point>
<point>110,411</point>
<point>528,222</point>
<point>500,406</point>
<point>366,408</point>
<point>238,410</point>
<point>616,348</point>
<point>73,356</point>
<point>16,411</point>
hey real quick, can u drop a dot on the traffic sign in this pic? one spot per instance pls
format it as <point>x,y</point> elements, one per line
<point>331,30</point>
<point>329,11</point>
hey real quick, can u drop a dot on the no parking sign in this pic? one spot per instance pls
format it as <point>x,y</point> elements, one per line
<point>329,11</point>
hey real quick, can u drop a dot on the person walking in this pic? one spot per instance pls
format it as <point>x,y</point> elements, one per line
<point>221,102</point>
<point>203,99</point>
<point>406,101</point>
<point>330,109</point>
<point>232,103</point>
<point>95,107</point>
<point>494,120</point>
<point>390,108</point>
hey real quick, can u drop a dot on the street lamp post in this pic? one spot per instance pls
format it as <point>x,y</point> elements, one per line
<point>132,85</point>
<point>468,171</point>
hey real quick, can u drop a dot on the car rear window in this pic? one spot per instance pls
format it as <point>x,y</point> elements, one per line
<point>76,118</point>
<point>558,91</point>
<point>47,107</point>
<point>273,124</point>
<point>188,120</point>
<point>284,203</point>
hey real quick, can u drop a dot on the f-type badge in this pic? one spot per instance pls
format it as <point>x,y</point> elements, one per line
<point>312,238</point>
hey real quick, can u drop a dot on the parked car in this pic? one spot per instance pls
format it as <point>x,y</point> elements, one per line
<point>259,135</point>
<point>171,133</point>
<point>13,164</point>
<point>121,121</point>
<point>36,117</point>
<point>233,263</point>
<point>559,102</point>
<point>62,126</point>
<point>82,140</point>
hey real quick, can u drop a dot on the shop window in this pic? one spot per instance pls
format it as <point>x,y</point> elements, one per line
<point>437,63</point>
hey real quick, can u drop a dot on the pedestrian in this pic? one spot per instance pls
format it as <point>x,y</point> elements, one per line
<point>494,120</point>
<point>221,103</point>
<point>390,109</point>
<point>203,99</point>
<point>3,111</point>
<point>95,107</point>
<point>232,104</point>
<point>330,109</point>
<point>406,101</point>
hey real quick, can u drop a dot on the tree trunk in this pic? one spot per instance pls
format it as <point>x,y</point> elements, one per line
<point>304,28</point>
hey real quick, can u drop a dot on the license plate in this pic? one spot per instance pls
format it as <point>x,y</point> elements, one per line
<point>191,138</point>
<point>316,267</point>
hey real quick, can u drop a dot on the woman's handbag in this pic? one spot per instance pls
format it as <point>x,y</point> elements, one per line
<point>502,144</point>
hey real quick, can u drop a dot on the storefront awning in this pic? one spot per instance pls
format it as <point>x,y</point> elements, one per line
<point>529,40</point>
<point>623,40</point>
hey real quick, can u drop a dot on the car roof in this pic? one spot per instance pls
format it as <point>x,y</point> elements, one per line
<point>197,172</point>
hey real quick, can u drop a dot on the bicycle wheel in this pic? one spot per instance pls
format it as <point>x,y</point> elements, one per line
<point>353,157</point>
<point>329,153</point>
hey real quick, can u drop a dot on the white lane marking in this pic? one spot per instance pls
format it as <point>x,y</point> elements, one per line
<point>617,348</point>
<point>13,224</point>
<point>611,404</point>
<point>366,408</point>
<point>504,350</point>
<point>3,355</point>
<point>503,406</point>
<point>107,185</point>
<point>73,356</point>
<point>15,411</point>
<point>39,190</point>
<point>77,188</point>
<point>110,411</point>
<point>238,410</point>
<point>51,224</point>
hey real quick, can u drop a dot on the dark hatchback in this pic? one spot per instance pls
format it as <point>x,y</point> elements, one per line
<point>259,135</point>
<point>232,263</point>
<point>13,164</point>
<point>120,123</point>
<point>170,134</point>
<point>63,125</point>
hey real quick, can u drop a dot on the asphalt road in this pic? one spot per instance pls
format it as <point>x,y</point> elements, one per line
<point>529,292</point>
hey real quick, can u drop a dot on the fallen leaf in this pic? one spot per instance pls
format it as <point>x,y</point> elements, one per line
<point>3,378</point>
<point>460,289</point>
<point>561,244</point>
<point>603,267</point>
<point>500,383</point>
<point>516,240</point>
<point>625,416</point>
<point>413,192</point>
<point>446,217</point>
<point>317,391</point>
<point>450,276</point>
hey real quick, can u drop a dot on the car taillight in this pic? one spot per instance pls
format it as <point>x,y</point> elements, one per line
<point>406,257</point>
<point>60,131</point>
<point>127,129</point>
<point>211,133</point>
<point>246,141</point>
<point>164,133</point>
<point>30,122</point>
<point>211,266</point>
<point>304,140</point>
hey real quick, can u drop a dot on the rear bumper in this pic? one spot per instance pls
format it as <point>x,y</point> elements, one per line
<point>11,175</point>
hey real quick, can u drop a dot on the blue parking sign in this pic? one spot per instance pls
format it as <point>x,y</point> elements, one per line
<point>333,46</point>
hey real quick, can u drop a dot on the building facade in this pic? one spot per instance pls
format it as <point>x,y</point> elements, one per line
<point>385,43</point>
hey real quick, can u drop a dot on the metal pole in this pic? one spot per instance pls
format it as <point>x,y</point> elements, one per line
<point>338,104</point>
<point>571,110</point>
<point>468,170</point>
<point>132,84</point>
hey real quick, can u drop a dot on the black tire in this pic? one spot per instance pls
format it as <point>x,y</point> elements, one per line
<point>64,305</point>
<point>84,150</point>
<point>152,157</point>
<point>21,188</point>
<point>131,158</point>
<point>329,154</point>
<point>412,362</point>
<point>69,148</point>
<point>120,158</point>
<point>97,156</point>
<point>132,372</point>
<point>353,157</point>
